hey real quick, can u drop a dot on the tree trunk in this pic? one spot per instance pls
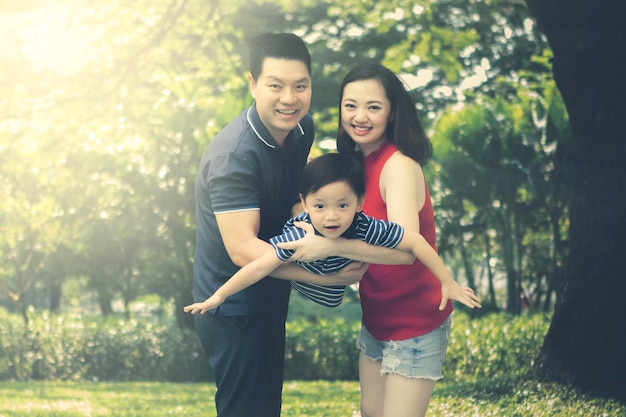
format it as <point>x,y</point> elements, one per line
<point>586,342</point>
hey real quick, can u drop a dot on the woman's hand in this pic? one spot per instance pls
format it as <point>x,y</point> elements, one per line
<point>311,247</point>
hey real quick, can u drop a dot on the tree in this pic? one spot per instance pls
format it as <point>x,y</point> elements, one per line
<point>499,160</point>
<point>586,342</point>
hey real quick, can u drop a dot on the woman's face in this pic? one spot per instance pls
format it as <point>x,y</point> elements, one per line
<point>365,112</point>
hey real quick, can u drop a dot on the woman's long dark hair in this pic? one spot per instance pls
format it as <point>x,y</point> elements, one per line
<point>403,128</point>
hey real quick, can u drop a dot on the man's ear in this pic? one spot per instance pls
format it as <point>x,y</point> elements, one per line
<point>252,83</point>
<point>303,203</point>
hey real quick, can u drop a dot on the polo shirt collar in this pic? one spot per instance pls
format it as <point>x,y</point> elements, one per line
<point>261,131</point>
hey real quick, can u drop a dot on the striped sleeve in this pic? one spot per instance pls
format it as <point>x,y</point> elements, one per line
<point>379,232</point>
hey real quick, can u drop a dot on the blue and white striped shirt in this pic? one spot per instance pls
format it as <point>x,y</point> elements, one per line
<point>363,227</point>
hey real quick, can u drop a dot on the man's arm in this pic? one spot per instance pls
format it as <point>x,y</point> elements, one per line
<point>239,233</point>
<point>348,275</point>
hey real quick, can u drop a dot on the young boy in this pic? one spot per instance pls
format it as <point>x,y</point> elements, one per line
<point>331,192</point>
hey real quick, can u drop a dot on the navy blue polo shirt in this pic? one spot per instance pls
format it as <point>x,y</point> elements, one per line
<point>243,168</point>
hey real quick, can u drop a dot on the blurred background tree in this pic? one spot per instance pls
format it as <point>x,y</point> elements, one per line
<point>107,107</point>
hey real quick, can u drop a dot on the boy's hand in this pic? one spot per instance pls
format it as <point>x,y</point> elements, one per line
<point>208,304</point>
<point>453,291</point>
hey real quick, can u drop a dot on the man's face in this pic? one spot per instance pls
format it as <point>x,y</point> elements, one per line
<point>283,95</point>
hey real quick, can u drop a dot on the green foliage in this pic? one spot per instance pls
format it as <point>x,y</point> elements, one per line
<point>322,350</point>
<point>488,370</point>
<point>106,107</point>
<point>70,347</point>
<point>493,346</point>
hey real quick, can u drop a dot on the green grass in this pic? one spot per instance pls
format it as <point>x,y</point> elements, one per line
<point>506,397</point>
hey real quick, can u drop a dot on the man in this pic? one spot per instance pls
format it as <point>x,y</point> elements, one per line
<point>245,190</point>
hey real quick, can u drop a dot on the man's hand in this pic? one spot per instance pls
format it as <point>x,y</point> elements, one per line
<point>350,274</point>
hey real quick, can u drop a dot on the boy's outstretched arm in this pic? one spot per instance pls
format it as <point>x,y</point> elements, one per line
<point>246,276</point>
<point>450,289</point>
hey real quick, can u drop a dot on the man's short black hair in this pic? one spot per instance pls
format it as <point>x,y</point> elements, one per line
<point>277,45</point>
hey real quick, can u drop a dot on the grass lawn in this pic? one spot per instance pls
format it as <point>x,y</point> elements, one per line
<point>501,398</point>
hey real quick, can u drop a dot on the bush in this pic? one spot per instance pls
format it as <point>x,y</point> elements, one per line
<point>71,347</point>
<point>494,345</point>
<point>323,350</point>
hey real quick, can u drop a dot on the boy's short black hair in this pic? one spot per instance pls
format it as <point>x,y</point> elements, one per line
<point>277,45</point>
<point>333,167</point>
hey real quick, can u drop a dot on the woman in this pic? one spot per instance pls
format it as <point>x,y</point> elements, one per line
<point>405,330</point>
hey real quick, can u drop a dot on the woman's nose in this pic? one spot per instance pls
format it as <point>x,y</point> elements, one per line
<point>360,116</point>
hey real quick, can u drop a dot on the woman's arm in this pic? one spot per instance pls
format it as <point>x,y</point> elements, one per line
<point>313,247</point>
<point>403,188</point>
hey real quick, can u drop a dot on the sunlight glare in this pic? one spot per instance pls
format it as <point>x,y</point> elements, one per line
<point>50,37</point>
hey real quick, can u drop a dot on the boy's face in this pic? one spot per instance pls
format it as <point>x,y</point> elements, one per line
<point>282,92</point>
<point>332,208</point>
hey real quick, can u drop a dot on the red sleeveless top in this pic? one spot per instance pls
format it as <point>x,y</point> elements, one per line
<point>399,301</point>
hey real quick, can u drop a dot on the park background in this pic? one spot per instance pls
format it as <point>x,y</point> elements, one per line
<point>106,107</point>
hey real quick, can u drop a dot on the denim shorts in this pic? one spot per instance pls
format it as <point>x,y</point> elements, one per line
<point>419,357</point>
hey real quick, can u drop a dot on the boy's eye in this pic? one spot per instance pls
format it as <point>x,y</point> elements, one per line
<point>343,205</point>
<point>319,206</point>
